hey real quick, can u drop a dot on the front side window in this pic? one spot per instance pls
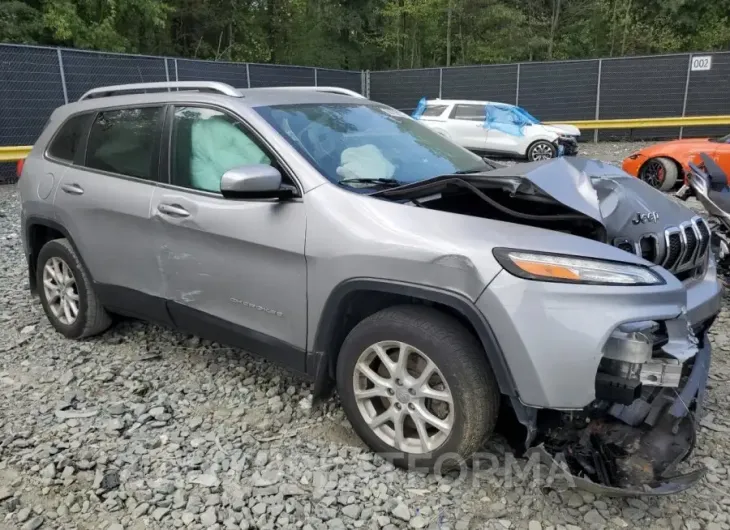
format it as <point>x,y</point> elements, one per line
<point>126,141</point>
<point>205,144</point>
<point>354,142</point>
<point>529,117</point>
<point>469,112</point>
<point>503,115</point>
<point>67,142</point>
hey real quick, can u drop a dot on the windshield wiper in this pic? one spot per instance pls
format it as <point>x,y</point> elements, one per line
<point>471,171</point>
<point>374,181</point>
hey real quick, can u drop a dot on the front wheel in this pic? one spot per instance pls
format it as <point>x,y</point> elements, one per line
<point>660,173</point>
<point>417,388</point>
<point>541,150</point>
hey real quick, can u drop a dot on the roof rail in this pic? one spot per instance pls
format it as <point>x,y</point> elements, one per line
<point>339,90</point>
<point>331,89</point>
<point>210,86</point>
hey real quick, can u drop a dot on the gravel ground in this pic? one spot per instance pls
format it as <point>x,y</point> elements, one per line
<point>146,428</point>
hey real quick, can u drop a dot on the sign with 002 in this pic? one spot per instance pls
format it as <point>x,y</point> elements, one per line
<point>701,62</point>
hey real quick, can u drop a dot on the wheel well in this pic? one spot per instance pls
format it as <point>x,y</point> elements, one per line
<point>360,304</point>
<point>38,235</point>
<point>671,159</point>
<point>539,140</point>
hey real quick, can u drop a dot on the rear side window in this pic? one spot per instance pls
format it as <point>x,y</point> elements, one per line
<point>126,141</point>
<point>434,110</point>
<point>67,142</point>
<point>470,112</point>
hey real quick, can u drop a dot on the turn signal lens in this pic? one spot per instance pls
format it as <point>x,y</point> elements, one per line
<point>19,167</point>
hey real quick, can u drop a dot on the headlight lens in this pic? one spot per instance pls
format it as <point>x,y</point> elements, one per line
<point>634,156</point>
<point>571,269</point>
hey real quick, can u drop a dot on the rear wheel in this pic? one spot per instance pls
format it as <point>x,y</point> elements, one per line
<point>417,388</point>
<point>541,150</point>
<point>67,293</point>
<point>659,173</point>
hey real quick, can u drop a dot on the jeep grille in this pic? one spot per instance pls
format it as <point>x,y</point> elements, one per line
<point>679,249</point>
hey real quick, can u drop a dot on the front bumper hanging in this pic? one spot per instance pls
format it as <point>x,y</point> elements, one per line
<point>567,146</point>
<point>633,450</point>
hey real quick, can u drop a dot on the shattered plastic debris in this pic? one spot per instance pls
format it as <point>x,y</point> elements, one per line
<point>664,486</point>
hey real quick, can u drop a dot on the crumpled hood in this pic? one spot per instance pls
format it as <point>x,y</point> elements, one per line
<point>563,128</point>
<point>601,191</point>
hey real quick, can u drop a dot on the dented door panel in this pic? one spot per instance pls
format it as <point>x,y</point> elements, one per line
<point>241,262</point>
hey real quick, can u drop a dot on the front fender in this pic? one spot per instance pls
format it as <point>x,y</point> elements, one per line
<point>321,361</point>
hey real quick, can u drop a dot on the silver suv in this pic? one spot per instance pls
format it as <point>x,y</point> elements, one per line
<point>347,241</point>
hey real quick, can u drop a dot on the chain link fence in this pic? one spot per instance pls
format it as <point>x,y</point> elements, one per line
<point>631,87</point>
<point>36,80</point>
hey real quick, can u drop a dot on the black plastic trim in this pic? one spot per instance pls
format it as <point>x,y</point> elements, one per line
<point>320,362</point>
<point>186,319</point>
<point>135,304</point>
<point>213,328</point>
<point>35,220</point>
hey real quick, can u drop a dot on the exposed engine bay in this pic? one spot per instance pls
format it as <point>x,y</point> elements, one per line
<point>578,196</point>
<point>651,378</point>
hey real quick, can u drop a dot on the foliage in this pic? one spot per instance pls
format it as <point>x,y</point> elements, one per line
<point>372,34</point>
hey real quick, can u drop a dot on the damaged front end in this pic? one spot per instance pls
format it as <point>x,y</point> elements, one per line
<point>649,392</point>
<point>627,435</point>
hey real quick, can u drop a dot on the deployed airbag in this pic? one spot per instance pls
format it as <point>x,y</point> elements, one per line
<point>364,162</point>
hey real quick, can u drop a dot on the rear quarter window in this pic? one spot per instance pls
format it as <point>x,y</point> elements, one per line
<point>434,111</point>
<point>67,142</point>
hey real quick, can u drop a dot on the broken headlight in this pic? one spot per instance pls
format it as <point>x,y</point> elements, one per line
<point>571,269</point>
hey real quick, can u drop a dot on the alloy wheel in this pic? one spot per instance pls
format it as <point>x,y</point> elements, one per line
<point>61,291</point>
<point>653,174</point>
<point>403,397</point>
<point>542,152</point>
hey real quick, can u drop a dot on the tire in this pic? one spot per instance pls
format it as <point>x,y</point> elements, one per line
<point>540,149</point>
<point>91,318</point>
<point>660,173</point>
<point>460,362</point>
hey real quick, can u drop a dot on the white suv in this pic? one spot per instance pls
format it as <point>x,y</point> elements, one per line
<point>497,128</point>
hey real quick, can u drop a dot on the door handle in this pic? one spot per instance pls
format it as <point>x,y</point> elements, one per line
<point>73,189</point>
<point>173,210</point>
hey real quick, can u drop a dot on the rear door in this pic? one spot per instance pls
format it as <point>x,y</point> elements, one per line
<point>103,200</point>
<point>234,270</point>
<point>466,126</point>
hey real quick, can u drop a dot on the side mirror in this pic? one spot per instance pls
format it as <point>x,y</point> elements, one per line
<point>257,181</point>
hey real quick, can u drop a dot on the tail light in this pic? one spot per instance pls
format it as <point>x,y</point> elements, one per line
<point>19,167</point>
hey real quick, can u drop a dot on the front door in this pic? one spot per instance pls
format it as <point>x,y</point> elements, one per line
<point>103,200</point>
<point>466,126</point>
<point>234,270</point>
<point>505,132</point>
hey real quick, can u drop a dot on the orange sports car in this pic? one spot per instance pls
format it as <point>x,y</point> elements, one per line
<point>664,165</point>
